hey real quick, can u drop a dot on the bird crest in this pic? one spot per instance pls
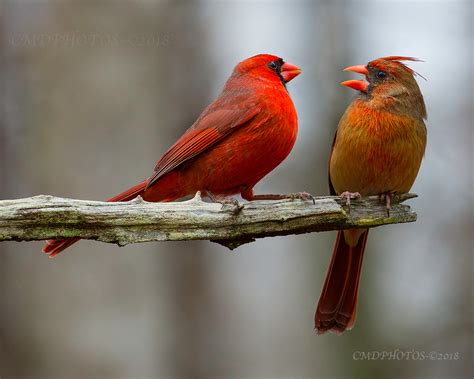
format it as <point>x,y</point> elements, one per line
<point>398,59</point>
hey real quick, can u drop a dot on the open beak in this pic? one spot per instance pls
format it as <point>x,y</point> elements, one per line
<point>289,71</point>
<point>358,85</point>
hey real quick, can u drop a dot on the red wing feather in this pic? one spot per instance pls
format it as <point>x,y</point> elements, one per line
<point>208,130</point>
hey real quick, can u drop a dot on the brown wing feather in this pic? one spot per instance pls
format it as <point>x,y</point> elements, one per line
<point>332,191</point>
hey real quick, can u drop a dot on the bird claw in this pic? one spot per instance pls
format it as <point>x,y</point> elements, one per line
<point>232,205</point>
<point>346,195</point>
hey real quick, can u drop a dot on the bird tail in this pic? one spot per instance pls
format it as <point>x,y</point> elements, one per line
<point>54,247</point>
<point>131,193</point>
<point>336,310</point>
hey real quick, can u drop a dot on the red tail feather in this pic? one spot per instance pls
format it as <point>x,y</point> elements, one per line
<point>54,247</point>
<point>131,193</point>
<point>336,309</point>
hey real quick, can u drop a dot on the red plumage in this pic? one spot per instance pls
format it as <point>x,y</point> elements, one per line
<point>238,139</point>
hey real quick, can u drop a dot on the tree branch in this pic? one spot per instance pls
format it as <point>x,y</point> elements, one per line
<point>47,217</point>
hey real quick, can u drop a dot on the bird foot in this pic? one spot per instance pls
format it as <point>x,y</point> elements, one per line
<point>231,205</point>
<point>228,204</point>
<point>348,196</point>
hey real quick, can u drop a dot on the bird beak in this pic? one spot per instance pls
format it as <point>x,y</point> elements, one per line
<point>289,71</point>
<point>360,69</point>
<point>358,85</point>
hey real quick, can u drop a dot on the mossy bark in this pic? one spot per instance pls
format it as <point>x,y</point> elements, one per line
<point>46,217</point>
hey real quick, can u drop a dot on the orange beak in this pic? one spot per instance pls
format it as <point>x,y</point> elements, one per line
<point>358,85</point>
<point>289,71</point>
<point>360,69</point>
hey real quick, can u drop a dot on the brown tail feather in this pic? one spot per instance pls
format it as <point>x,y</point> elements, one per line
<point>337,304</point>
<point>54,247</point>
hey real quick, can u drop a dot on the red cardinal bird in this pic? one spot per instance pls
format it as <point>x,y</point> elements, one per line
<point>377,150</point>
<point>237,140</point>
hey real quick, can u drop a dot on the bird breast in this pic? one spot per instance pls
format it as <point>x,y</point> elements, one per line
<point>376,151</point>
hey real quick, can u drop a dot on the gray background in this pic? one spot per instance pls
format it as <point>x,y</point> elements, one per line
<point>92,94</point>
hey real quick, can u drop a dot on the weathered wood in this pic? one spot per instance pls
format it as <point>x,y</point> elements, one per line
<point>45,217</point>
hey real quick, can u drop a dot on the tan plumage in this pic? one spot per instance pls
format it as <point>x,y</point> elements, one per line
<point>377,149</point>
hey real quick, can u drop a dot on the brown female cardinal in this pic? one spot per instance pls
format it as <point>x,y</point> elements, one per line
<point>377,150</point>
<point>237,140</point>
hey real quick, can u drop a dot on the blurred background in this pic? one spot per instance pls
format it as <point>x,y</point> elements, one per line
<point>93,93</point>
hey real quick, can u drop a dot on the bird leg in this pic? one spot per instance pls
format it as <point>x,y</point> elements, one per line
<point>346,195</point>
<point>226,202</point>
<point>387,198</point>
<point>249,195</point>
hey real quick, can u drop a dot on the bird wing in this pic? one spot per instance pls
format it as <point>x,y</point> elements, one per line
<point>209,129</point>
<point>332,191</point>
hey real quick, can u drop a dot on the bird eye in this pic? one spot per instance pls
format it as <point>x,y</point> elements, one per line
<point>381,75</point>
<point>272,65</point>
